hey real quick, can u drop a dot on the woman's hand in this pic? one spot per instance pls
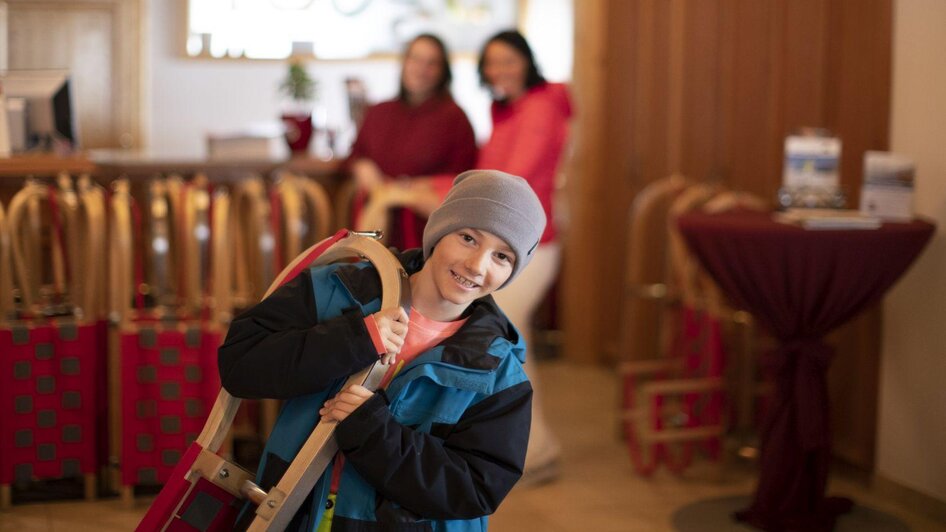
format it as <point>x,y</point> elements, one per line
<point>392,324</point>
<point>346,402</point>
<point>367,174</point>
<point>417,194</point>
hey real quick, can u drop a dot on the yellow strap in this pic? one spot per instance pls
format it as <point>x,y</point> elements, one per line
<point>325,525</point>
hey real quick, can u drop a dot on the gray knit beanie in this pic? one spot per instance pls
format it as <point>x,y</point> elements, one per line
<point>494,201</point>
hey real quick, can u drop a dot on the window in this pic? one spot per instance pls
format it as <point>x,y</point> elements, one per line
<point>339,29</point>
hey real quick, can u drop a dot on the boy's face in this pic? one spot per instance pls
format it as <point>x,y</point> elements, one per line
<point>468,264</point>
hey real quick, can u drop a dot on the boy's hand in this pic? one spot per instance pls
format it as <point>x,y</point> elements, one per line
<point>392,324</point>
<point>346,402</point>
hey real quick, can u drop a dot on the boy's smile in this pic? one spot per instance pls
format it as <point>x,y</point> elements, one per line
<point>464,282</point>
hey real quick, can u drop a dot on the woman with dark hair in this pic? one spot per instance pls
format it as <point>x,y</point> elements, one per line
<point>518,45</point>
<point>421,132</point>
<point>530,131</point>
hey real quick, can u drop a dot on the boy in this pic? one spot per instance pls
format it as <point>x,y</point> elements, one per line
<point>444,442</point>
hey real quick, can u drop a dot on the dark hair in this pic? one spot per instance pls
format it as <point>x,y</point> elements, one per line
<point>443,88</point>
<point>518,42</point>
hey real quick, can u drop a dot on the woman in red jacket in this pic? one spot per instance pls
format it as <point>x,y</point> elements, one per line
<point>421,132</point>
<point>530,132</point>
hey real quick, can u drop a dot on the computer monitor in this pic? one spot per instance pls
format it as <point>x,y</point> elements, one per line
<point>39,109</point>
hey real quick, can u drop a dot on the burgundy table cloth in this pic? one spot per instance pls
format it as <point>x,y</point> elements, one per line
<point>799,284</point>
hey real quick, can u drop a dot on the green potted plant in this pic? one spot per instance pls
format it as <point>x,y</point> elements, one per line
<point>300,90</point>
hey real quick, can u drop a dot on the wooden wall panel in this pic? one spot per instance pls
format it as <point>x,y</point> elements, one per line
<point>702,92</point>
<point>651,105</point>
<point>584,189</point>
<point>805,62</point>
<point>859,65</point>
<point>754,134</point>
<point>710,88</point>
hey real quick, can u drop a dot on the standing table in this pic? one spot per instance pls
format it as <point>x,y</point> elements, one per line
<point>799,284</point>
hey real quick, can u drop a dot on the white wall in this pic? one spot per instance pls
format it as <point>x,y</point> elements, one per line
<point>191,97</point>
<point>912,425</point>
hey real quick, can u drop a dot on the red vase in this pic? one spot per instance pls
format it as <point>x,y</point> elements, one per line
<point>298,132</point>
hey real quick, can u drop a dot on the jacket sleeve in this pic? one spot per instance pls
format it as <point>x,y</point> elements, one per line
<point>464,476</point>
<point>280,349</point>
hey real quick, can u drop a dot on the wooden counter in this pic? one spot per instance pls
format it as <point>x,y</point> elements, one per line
<point>43,165</point>
<point>141,165</point>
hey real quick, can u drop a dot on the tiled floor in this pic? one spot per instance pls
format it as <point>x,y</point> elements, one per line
<point>597,491</point>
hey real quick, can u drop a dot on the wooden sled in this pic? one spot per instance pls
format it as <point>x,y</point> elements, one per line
<point>51,347</point>
<point>163,356</point>
<point>207,491</point>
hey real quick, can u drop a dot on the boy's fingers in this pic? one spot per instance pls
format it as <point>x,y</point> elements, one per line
<point>398,328</point>
<point>396,339</point>
<point>360,390</point>
<point>389,347</point>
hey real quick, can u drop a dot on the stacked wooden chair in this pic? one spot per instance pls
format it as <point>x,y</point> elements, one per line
<point>677,384</point>
<point>52,339</point>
